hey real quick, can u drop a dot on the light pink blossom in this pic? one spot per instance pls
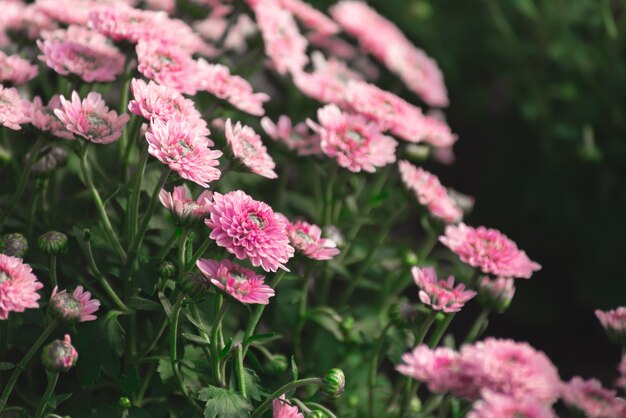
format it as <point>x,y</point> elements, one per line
<point>16,70</point>
<point>25,19</point>
<point>184,150</point>
<point>488,249</point>
<point>249,228</point>
<point>248,148</point>
<point>281,408</point>
<point>496,294</point>
<point>59,355</point>
<point>91,118</point>
<point>167,64</point>
<point>297,138</point>
<point>614,323</point>
<point>440,295</point>
<point>70,12</point>
<point>621,382</point>
<point>18,286</point>
<point>43,117</point>
<point>183,207</point>
<point>310,17</point>
<point>14,110</point>
<point>213,27</point>
<point>307,239</point>
<point>241,283</point>
<point>75,306</point>
<point>494,405</point>
<point>589,397</point>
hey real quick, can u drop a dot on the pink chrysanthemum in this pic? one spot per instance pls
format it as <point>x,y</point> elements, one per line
<point>77,50</point>
<point>183,207</point>
<point>354,141</point>
<point>77,306</point>
<point>249,228</point>
<point>430,192</point>
<point>59,355</point>
<point>310,17</point>
<point>184,150</point>
<point>25,19</point>
<point>167,64</point>
<point>248,148</point>
<point>213,27</point>
<point>241,283</point>
<point>493,405</point>
<point>296,137</point>
<point>589,397</point>
<point>496,294</point>
<point>14,110</point>
<point>307,239</point>
<point>91,118</point>
<point>70,12</point>
<point>43,117</point>
<point>488,249</point>
<point>614,323</point>
<point>621,382</point>
<point>281,408</point>
<point>16,70</point>
<point>18,286</point>
<point>440,295</point>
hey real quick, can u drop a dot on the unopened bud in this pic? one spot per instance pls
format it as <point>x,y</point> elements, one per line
<point>194,284</point>
<point>14,245</point>
<point>59,355</point>
<point>124,402</point>
<point>333,383</point>
<point>403,314</point>
<point>167,270</point>
<point>53,242</point>
<point>496,294</point>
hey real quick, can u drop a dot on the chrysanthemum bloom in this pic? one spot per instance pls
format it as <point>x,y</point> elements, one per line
<point>168,6</point>
<point>13,109</point>
<point>296,137</point>
<point>493,405</point>
<point>43,117</point>
<point>436,131</point>
<point>73,307</point>
<point>249,228</point>
<point>167,64</point>
<point>248,148</point>
<point>621,382</point>
<point>18,286</point>
<point>589,397</point>
<point>214,26</point>
<point>310,17</point>
<point>16,70</point>
<point>284,44</point>
<point>307,239</point>
<point>70,12</point>
<point>430,192</point>
<point>183,207</point>
<point>440,295</point>
<point>25,19</point>
<point>59,355</point>
<point>354,141</point>
<point>91,118</point>
<point>488,249</point>
<point>184,150</point>
<point>496,294</point>
<point>14,245</point>
<point>614,323</point>
<point>77,50</point>
<point>281,408</point>
<point>239,282</point>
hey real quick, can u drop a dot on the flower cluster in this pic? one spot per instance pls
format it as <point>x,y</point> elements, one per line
<point>440,295</point>
<point>18,286</point>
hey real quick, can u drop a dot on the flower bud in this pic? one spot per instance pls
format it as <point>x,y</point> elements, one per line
<point>194,284</point>
<point>496,294</point>
<point>277,364</point>
<point>167,270</point>
<point>333,383</point>
<point>409,257</point>
<point>614,323</point>
<point>348,323</point>
<point>53,242</point>
<point>50,157</point>
<point>65,307</point>
<point>403,314</point>
<point>124,402</point>
<point>59,355</point>
<point>14,245</point>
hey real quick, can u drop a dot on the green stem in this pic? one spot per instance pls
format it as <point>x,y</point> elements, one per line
<point>374,366</point>
<point>170,243</point>
<point>135,126</point>
<point>440,330</point>
<point>302,317</point>
<point>282,390</point>
<point>103,281</point>
<point>174,350</point>
<point>111,234</point>
<point>201,250</point>
<point>240,373</point>
<point>132,213</point>
<point>258,312</point>
<point>52,382</point>
<point>21,366</point>
<point>215,346</point>
<point>182,251</point>
<point>53,270</point>
<point>477,327</point>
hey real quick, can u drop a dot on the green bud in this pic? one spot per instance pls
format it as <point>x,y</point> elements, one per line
<point>124,402</point>
<point>167,270</point>
<point>277,364</point>
<point>59,355</point>
<point>409,257</point>
<point>194,284</point>
<point>403,314</point>
<point>53,242</point>
<point>14,245</point>
<point>415,405</point>
<point>348,322</point>
<point>333,383</point>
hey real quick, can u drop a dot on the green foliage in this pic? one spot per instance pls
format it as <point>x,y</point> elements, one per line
<point>223,403</point>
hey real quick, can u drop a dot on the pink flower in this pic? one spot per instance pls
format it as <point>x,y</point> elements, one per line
<point>310,16</point>
<point>213,27</point>
<point>621,382</point>
<point>436,131</point>
<point>496,294</point>
<point>184,150</point>
<point>354,141</point>
<point>284,44</point>
<point>249,228</point>
<point>592,399</point>
<point>183,207</point>
<point>168,6</point>
<point>16,70</point>
<point>13,109</point>
<point>493,405</point>
<point>75,307</point>
<point>167,64</point>
<point>43,117</point>
<point>27,20</point>
<point>241,283</point>
<point>296,137</point>
<point>59,355</point>
<point>281,408</point>
<point>91,118</point>
<point>488,249</point>
<point>307,239</point>
<point>77,50</point>
<point>18,286</point>
<point>248,148</point>
<point>430,192</point>
<point>440,295</point>
<point>614,323</point>
<point>70,12</point>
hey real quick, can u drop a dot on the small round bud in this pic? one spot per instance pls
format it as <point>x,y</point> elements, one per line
<point>167,270</point>
<point>277,364</point>
<point>415,405</point>
<point>348,323</point>
<point>65,307</point>
<point>14,245</point>
<point>333,383</point>
<point>194,284</point>
<point>496,294</point>
<point>409,257</point>
<point>59,355</point>
<point>124,402</point>
<point>403,314</point>
<point>53,242</point>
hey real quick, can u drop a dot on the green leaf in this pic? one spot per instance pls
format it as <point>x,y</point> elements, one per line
<point>21,412</point>
<point>328,319</point>
<point>265,338</point>
<point>225,350</point>
<point>130,381</point>
<point>57,400</point>
<point>198,324</point>
<point>142,304</point>
<point>195,338</point>
<point>5,365</point>
<point>223,403</point>
<point>166,304</point>
<point>294,368</point>
<point>254,390</point>
<point>113,331</point>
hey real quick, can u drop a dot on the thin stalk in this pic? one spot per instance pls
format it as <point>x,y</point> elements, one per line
<point>215,346</point>
<point>240,373</point>
<point>135,126</point>
<point>132,212</point>
<point>199,253</point>
<point>103,281</point>
<point>477,327</point>
<point>374,366</point>
<point>258,312</point>
<point>440,330</point>
<point>322,408</point>
<point>43,402</point>
<point>145,382</point>
<point>53,270</point>
<point>182,250</point>
<point>170,243</point>
<point>282,390</point>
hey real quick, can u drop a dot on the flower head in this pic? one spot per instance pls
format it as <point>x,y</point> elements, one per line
<point>621,382</point>
<point>14,110</point>
<point>43,117</point>
<point>307,239</point>
<point>281,408</point>
<point>167,64</point>
<point>494,405</point>
<point>59,355</point>
<point>440,295</point>
<point>249,228</point>
<point>52,242</point>
<point>91,118</point>
<point>16,70</point>
<point>77,306</point>
<point>14,244</point>
<point>310,17</point>
<point>184,149</point>
<point>589,397</point>
<point>239,282</point>
<point>614,323</point>
<point>296,137</point>
<point>488,249</point>
<point>18,286</point>
<point>183,207</point>
<point>248,148</point>
<point>496,294</point>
